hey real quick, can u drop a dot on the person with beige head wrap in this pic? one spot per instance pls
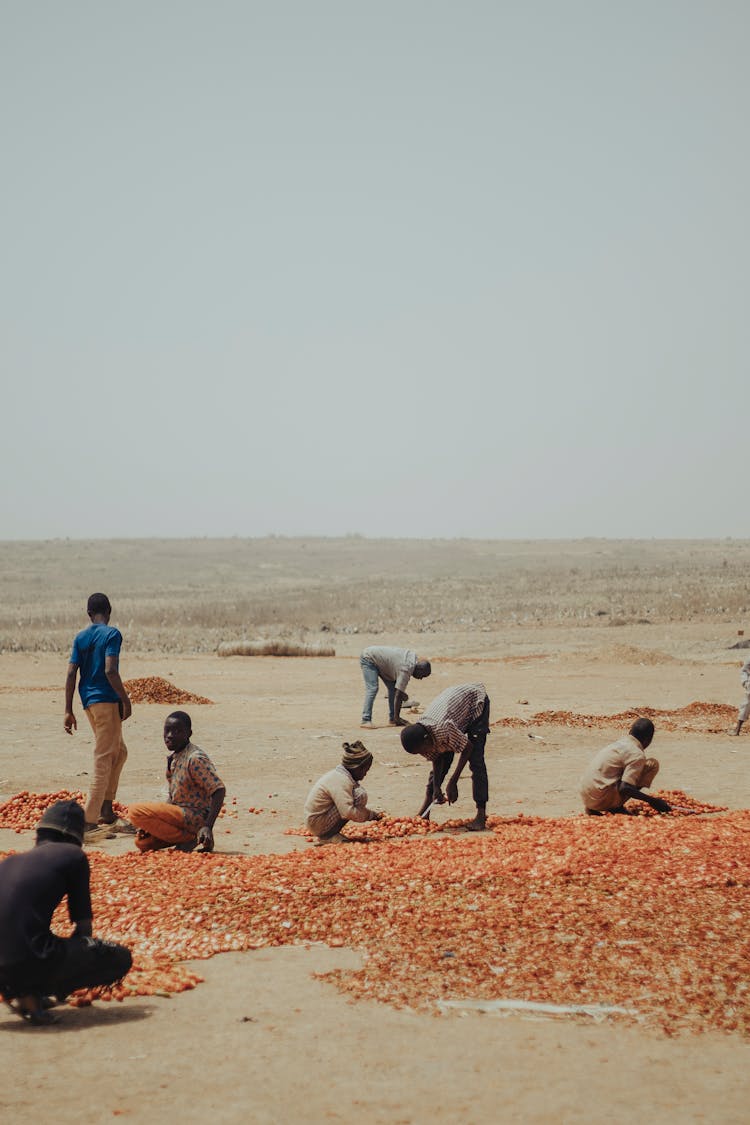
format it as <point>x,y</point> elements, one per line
<point>338,797</point>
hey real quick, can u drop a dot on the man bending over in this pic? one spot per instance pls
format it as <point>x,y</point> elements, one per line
<point>456,722</point>
<point>395,667</point>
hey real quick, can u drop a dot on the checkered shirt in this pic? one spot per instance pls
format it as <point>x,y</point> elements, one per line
<point>449,716</point>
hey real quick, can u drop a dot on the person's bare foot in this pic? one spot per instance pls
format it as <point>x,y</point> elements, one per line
<point>93,833</point>
<point>478,824</point>
<point>108,814</point>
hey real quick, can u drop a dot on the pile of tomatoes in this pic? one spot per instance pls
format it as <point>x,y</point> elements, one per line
<point>706,718</point>
<point>648,914</point>
<point>25,809</point>
<point>155,689</point>
<point>643,913</point>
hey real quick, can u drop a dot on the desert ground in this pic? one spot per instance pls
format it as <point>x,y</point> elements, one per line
<point>592,627</point>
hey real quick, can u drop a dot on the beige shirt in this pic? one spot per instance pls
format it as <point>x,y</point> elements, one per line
<point>620,761</point>
<point>338,787</point>
<point>396,664</point>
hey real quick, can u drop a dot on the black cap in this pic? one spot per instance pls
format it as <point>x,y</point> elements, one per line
<point>66,817</point>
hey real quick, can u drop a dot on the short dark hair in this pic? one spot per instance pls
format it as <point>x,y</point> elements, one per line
<point>413,737</point>
<point>643,730</point>
<point>98,603</point>
<point>182,717</point>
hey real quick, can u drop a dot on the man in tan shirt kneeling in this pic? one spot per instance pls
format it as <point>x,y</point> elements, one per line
<point>338,797</point>
<point>621,771</point>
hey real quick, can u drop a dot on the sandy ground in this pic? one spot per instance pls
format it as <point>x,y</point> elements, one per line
<point>261,1039</point>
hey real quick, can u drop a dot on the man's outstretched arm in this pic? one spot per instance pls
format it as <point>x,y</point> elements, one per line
<point>627,790</point>
<point>398,700</point>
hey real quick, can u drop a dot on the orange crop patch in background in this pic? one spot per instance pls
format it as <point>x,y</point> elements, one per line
<point>155,689</point>
<point>648,914</point>
<point>706,718</point>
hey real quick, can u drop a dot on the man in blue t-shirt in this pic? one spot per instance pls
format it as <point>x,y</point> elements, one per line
<point>96,655</point>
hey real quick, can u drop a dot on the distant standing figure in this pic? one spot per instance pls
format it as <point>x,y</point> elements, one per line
<point>337,797</point>
<point>395,667</point>
<point>744,712</point>
<point>621,771</point>
<point>35,964</point>
<point>456,722</point>
<point>96,655</point>
<point>196,794</point>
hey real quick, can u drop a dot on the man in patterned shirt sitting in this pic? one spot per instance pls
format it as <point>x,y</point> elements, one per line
<point>456,722</point>
<point>196,794</point>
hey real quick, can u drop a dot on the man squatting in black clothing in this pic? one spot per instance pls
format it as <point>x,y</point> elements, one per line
<point>35,964</point>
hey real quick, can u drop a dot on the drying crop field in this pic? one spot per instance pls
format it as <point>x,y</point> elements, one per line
<point>393,979</point>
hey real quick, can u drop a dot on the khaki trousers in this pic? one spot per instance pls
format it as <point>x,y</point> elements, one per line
<point>603,800</point>
<point>325,823</point>
<point>110,753</point>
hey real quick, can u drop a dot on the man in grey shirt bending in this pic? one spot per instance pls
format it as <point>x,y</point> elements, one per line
<point>395,667</point>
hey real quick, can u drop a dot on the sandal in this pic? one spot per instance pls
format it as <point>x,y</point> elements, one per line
<point>39,1015</point>
<point>477,825</point>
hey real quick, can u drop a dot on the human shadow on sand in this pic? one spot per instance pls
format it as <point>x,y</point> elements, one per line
<point>78,1019</point>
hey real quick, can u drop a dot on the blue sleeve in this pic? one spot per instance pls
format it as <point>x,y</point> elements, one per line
<point>114,643</point>
<point>75,657</point>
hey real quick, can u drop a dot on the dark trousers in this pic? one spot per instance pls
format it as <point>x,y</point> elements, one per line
<point>81,963</point>
<point>477,734</point>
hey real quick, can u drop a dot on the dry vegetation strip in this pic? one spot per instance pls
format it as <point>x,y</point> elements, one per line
<point>273,648</point>
<point>190,595</point>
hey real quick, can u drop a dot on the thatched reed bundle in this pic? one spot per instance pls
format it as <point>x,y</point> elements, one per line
<point>273,648</point>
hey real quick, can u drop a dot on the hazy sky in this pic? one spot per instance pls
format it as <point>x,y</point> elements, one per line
<point>395,267</point>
